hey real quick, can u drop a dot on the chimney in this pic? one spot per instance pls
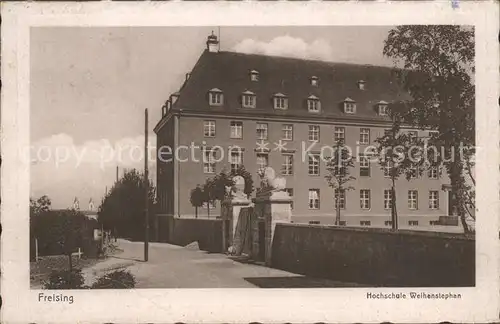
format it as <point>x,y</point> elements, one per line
<point>212,43</point>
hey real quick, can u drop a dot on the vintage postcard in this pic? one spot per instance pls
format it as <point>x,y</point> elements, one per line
<point>250,162</point>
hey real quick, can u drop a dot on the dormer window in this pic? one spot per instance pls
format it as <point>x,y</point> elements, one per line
<point>313,104</point>
<point>382,108</point>
<point>349,106</point>
<point>280,101</point>
<point>216,97</point>
<point>361,84</point>
<point>248,99</point>
<point>314,81</point>
<point>254,75</point>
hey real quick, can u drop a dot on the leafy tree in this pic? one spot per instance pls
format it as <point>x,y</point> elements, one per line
<point>123,208</point>
<point>39,205</point>
<point>208,191</point>
<point>196,199</point>
<point>395,154</point>
<point>441,60</point>
<point>71,232</point>
<point>214,189</point>
<point>338,173</point>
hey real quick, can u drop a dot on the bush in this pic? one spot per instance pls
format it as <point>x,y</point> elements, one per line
<point>61,232</point>
<point>63,279</point>
<point>120,279</point>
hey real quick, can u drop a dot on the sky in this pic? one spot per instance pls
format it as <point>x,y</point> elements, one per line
<point>90,86</point>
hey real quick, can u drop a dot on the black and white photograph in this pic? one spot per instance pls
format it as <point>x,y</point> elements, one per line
<point>297,158</point>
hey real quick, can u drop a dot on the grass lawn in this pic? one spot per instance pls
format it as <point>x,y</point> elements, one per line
<point>40,271</point>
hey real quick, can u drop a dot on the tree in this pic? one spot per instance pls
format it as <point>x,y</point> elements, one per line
<point>338,173</point>
<point>208,193</point>
<point>39,205</point>
<point>214,189</point>
<point>441,60</point>
<point>196,199</point>
<point>122,209</point>
<point>395,155</point>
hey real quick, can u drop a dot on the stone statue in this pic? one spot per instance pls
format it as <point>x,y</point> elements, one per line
<point>269,181</point>
<point>237,190</point>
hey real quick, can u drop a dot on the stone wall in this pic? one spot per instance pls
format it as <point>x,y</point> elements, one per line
<point>179,231</point>
<point>375,257</point>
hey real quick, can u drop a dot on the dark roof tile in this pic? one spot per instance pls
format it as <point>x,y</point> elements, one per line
<point>230,72</point>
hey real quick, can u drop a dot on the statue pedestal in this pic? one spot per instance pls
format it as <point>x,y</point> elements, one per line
<point>231,211</point>
<point>276,208</point>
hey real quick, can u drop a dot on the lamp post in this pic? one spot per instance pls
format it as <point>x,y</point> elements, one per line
<point>146,187</point>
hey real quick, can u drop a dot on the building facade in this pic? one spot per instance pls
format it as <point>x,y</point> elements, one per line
<point>253,110</point>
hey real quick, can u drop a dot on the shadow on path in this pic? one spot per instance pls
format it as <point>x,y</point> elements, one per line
<point>298,282</point>
<point>128,259</point>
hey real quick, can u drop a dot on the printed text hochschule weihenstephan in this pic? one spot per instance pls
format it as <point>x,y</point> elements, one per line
<point>413,295</point>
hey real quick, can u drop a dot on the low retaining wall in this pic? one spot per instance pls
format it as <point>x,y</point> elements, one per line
<point>376,257</point>
<point>180,231</point>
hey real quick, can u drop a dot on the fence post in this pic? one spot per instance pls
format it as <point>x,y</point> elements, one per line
<point>36,249</point>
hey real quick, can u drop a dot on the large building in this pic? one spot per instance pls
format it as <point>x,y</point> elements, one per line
<point>283,112</point>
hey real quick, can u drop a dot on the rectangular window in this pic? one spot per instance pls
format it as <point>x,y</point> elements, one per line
<point>413,223</point>
<point>387,169</point>
<point>261,131</point>
<point>236,129</point>
<point>262,160</point>
<point>364,198</point>
<point>387,199</point>
<point>412,136</point>
<point>236,160</point>
<point>382,110</point>
<point>313,198</point>
<point>343,223</point>
<point>339,134</point>
<point>287,132</point>
<point>280,103</point>
<point>313,105</point>
<point>212,205</point>
<point>388,223</point>
<point>349,108</point>
<point>290,193</point>
<point>314,222</point>
<point>433,199</point>
<point>413,170</point>
<point>313,164</point>
<point>341,199</point>
<point>314,133</point>
<point>433,173</point>
<point>248,101</point>
<point>433,134</point>
<point>209,161</point>
<point>287,166</point>
<point>216,98</point>
<point>364,165</point>
<point>433,222</point>
<point>412,199</point>
<point>209,128</point>
<point>364,136</point>
<point>365,223</point>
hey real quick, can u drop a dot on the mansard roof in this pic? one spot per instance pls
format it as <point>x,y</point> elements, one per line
<point>228,72</point>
